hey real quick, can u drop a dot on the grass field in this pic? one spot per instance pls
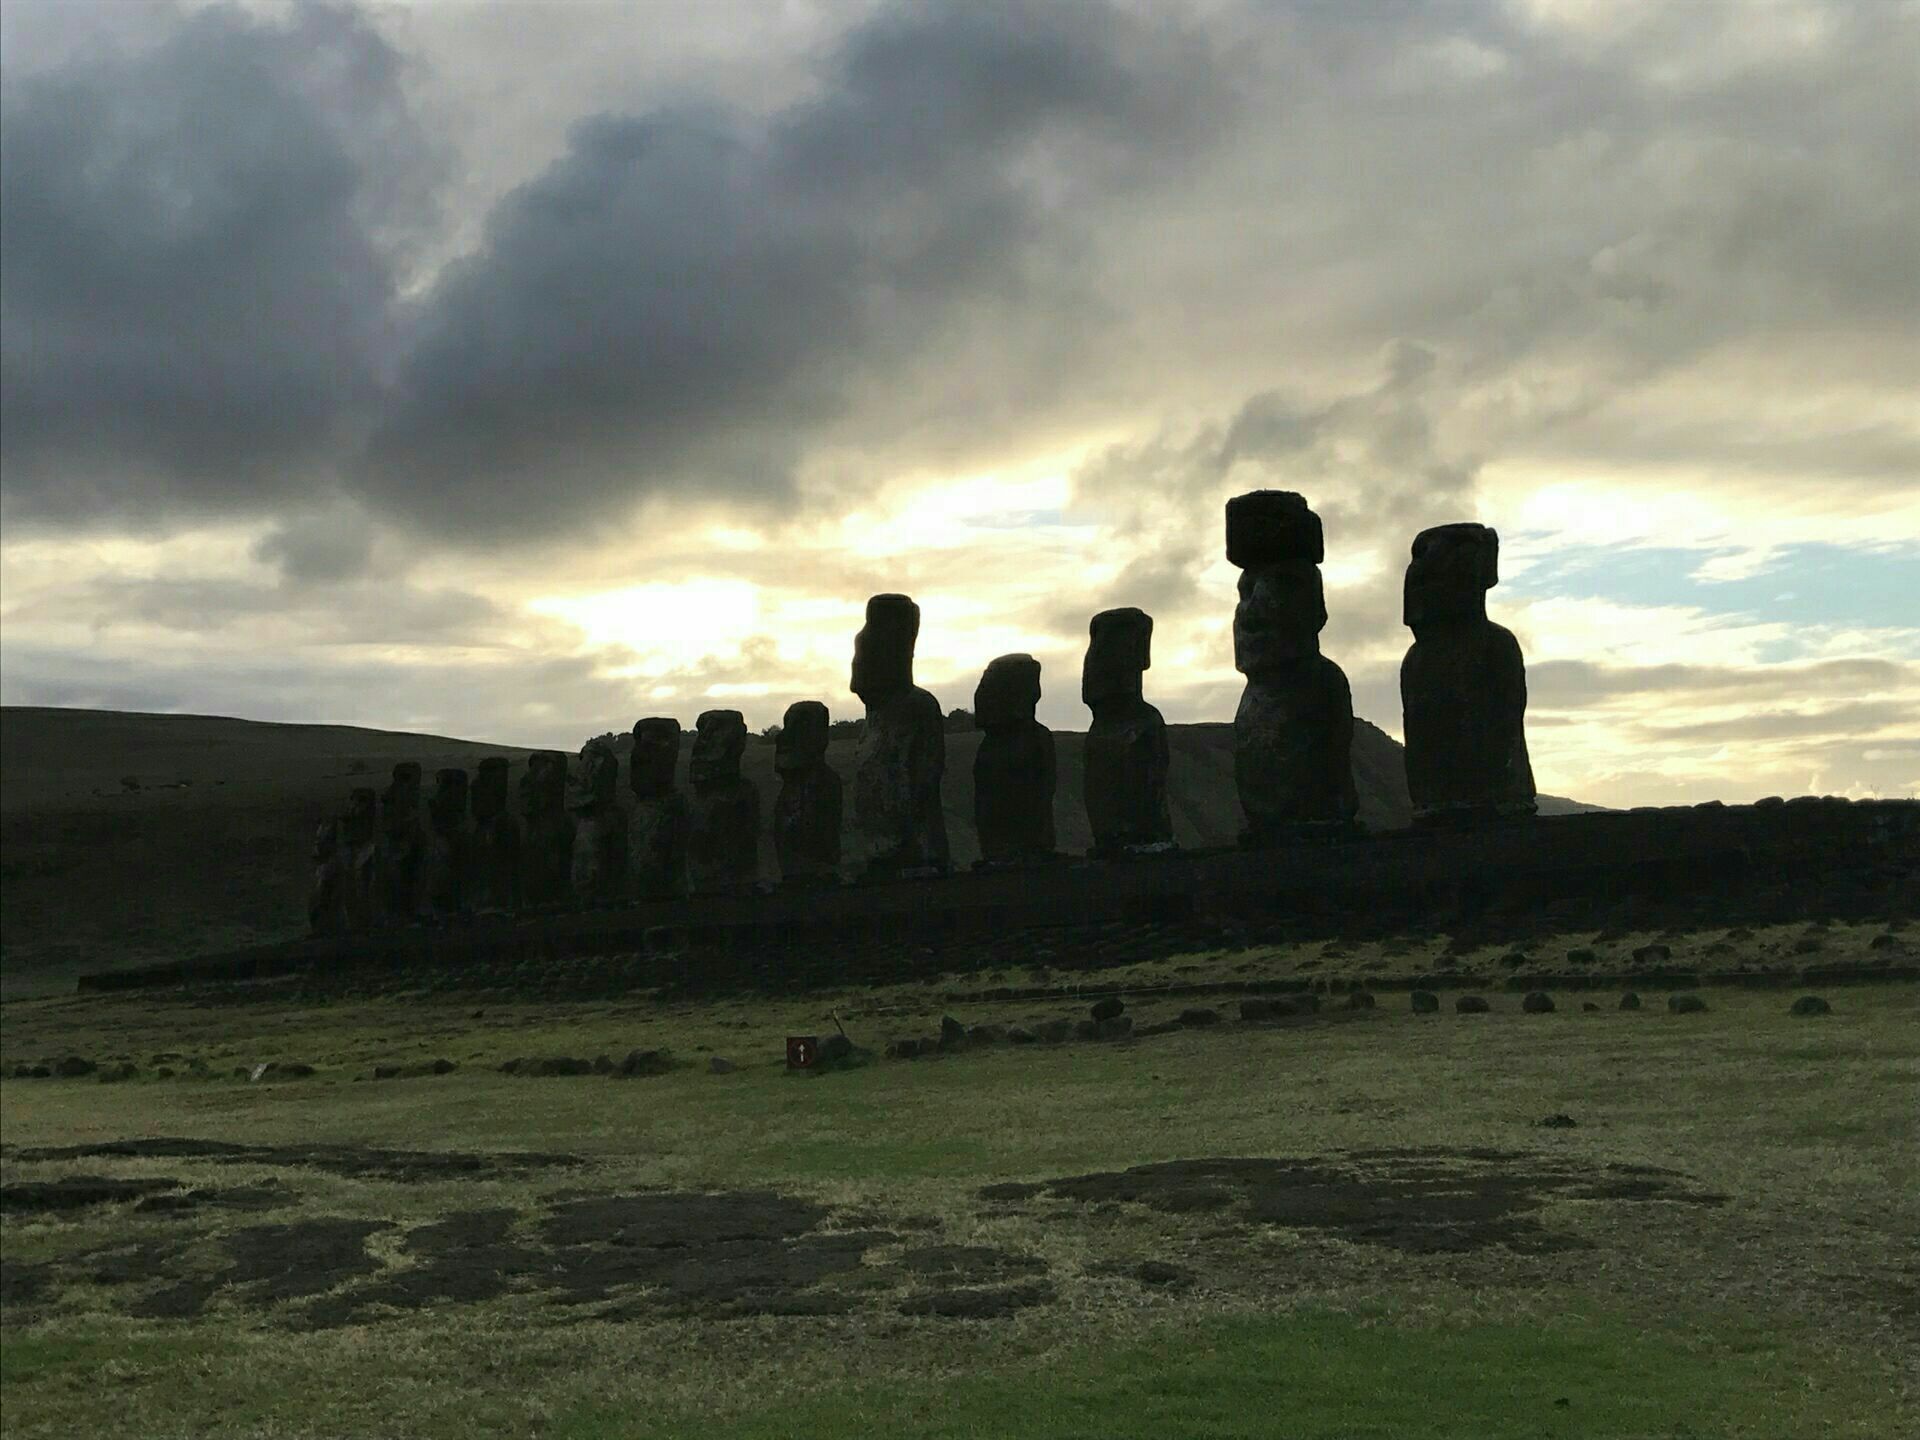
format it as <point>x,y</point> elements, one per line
<point>1373,1236</point>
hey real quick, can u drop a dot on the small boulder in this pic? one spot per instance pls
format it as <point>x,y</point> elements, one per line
<point>1199,1017</point>
<point>645,1062</point>
<point>603,1065</point>
<point>1629,1001</point>
<point>1515,959</point>
<point>1086,1029</point>
<point>953,1035</point>
<point>1021,1035</point>
<point>1471,1005</point>
<point>1107,1009</point>
<point>1114,1027</point>
<point>1685,1004</point>
<point>1159,1027</point>
<point>1160,1272</point>
<point>1557,1122</point>
<point>444,1066</point>
<point>1538,1002</point>
<point>1425,1002</point>
<point>1305,1003</point>
<point>835,1049</point>
<point>73,1067</point>
<point>1580,956</point>
<point>1886,942</point>
<point>1360,1000</point>
<point>1808,945</point>
<point>718,1065</point>
<point>1053,1031</point>
<point>386,1072</point>
<point>986,1034</point>
<point>125,1070</point>
<point>1256,1007</point>
<point>1653,954</point>
<point>295,1069</point>
<point>1589,1006</point>
<point>1811,1005</point>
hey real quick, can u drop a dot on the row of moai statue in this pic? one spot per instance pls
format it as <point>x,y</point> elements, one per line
<point>1463,694</point>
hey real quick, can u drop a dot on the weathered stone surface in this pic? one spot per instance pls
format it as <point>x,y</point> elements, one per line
<point>807,812</point>
<point>903,755</point>
<point>1463,684</point>
<point>657,824</point>
<point>1293,731</point>
<point>494,865</point>
<point>723,831</point>
<point>1126,746</point>
<point>1013,770</point>
<point>599,870</point>
<point>546,870</point>
<point>402,856</point>
<point>450,843</point>
<point>1107,1008</point>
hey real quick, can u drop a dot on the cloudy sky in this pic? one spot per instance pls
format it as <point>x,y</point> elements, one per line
<point>516,370</point>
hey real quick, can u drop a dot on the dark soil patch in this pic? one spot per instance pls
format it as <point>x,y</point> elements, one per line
<point>969,1264</point>
<point>463,1259</point>
<point>290,1262</point>
<point>353,1161</point>
<point>968,1304</point>
<point>1414,1201</point>
<point>21,1285</point>
<point>272,1195</point>
<point>75,1192</point>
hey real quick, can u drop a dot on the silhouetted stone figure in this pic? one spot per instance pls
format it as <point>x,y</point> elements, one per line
<point>723,832</point>
<point>1463,685</point>
<point>896,783</point>
<point>346,895</point>
<point>1013,770</point>
<point>806,813</point>
<point>494,872</point>
<point>402,847</point>
<point>546,852</point>
<point>1293,732</point>
<point>324,909</point>
<point>449,845</point>
<point>599,826</point>
<point>657,826</point>
<point>1126,751</point>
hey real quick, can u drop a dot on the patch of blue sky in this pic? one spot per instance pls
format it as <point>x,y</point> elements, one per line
<point>1829,586</point>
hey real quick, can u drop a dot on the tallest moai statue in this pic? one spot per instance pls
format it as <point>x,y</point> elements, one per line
<point>903,755</point>
<point>1463,685</point>
<point>1293,732</point>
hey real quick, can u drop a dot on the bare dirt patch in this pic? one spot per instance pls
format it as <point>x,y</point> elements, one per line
<point>355,1162</point>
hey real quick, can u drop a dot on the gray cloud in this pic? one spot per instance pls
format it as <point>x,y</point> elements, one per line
<point>201,242</point>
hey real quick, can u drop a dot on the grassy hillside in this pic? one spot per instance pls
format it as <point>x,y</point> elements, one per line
<point>126,838</point>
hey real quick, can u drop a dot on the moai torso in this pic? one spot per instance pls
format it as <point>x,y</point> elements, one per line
<point>546,846</point>
<point>807,811</point>
<point>449,844</point>
<point>494,863</point>
<point>903,755</point>
<point>402,848</point>
<point>1463,684</point>
<point>324,908</point>
<point>1125,772</point>
<point>1013,770</point>
<point>723,831</point>
<point>357,854</point>
<point>599,872</point>
<point>1293,731</point>
<point>657,823</point>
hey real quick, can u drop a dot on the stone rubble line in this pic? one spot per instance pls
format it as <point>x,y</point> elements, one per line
<point>576,841</point>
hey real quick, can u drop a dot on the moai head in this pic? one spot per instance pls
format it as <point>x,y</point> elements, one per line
<point>883,650</point>
<point>357,824</point>
<point>719,741</point>
<point>1266,526</point>
<point>447,807</point>
<point>802,741</point>
<point>599,773</point>
<point>1009,690</point>
<point>400,801</point>
<point>489,794</point>
<point>1281,613</point>
<point>656,751</point>
<point>1452,569</point>
<point>543,789</point>
<point>1119,650</point>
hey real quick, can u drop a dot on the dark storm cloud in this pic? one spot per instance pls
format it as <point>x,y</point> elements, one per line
<point>684,296</point>
<point>200,242</point>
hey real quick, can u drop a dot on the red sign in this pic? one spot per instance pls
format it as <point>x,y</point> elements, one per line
<point>802,1051</point>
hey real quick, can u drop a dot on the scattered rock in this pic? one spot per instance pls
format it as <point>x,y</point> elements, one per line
<point>1811,1005</point>
<point>1581,956</point>
<point>1886,942</point>
<point>1425,1002</point>
<point>1107,1009</point>
<point>835,1049</point>
<point>1629,1001</point>
<point>1471,1005</point>
<point>1538,1002</point>
<point>1516,959</point>
<point>1114,1027</point>
<point>1086,1029</point>
<point>720,1066</point>
<point>1808,945</point>
<point>73,1067</point>
<point>658,1062</point>
<point>1360,1000</point>
<point>1199,1017</point>
<point>987,1034</point>
<point>1685,1004</point>
<point>1160,1272</point>
<point>1588,1005</point>
<point>1557,1121</point>
<point>953,1035</point>
<point>603,1065</point>
<point>1256,1007</point>
<point>1053,1031</point>
<point>125,1070</point>
<point>1653,954</point>
<point>1020,1035</point>
<point>546,1065</point>
<point>444,1066</point>
<point>294,1070</point>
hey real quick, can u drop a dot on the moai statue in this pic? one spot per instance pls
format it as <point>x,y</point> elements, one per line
<point>896,782</point>
<point>325,910</point>
<point>723,830</point>
<point>1013,769</point>
<point>403,847</point>
<point>494,867</point>
<point>449,843</point>
<point>657,827</point>
<point>1463,685</point>
<point>1126,751</point>
<point>599,826</point>
<point>1293,732</point>
<point>357,848</point>
<point>806,814</point>
<point>546,850</point>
